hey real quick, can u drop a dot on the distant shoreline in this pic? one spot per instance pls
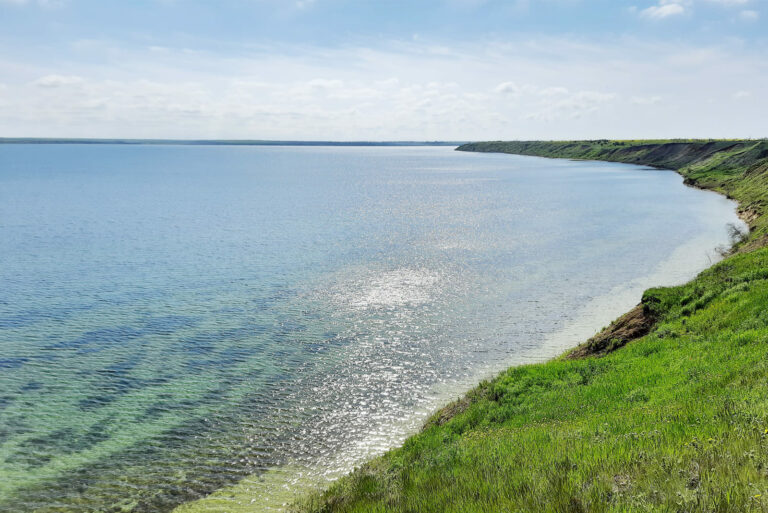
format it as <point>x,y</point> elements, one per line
<point>219,142</point>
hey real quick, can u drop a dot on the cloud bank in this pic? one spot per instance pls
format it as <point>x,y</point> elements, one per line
<point>420,87</point>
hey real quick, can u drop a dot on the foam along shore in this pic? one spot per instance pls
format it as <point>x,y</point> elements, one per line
<point>665,410</point>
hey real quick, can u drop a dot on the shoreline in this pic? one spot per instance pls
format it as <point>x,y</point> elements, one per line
<point>287,488</point>
<point>563,350</point>
<point>285,483</point>
<point>276,489</point>
<point>697,173</point>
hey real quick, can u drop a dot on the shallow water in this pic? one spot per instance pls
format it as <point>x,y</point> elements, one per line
<point>176,318</point>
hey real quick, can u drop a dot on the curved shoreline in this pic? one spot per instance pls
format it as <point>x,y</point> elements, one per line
<point>281,485</point>
<point>553,344</point>
<point>583,321</point>
<point>703,164</point>
<point>566,350</point>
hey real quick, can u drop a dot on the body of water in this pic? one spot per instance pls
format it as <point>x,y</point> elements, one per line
<point>177,319</point>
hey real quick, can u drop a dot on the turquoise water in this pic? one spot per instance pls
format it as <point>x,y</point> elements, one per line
<point>173,319</point>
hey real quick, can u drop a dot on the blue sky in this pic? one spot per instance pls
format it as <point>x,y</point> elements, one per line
<point>384,70</point>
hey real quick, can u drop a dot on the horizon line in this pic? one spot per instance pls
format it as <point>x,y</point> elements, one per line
<point>219,142</point>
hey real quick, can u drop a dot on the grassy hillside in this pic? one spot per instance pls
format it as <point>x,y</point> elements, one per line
<point>674,421</point>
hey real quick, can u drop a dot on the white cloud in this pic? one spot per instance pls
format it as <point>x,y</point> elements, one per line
<point>402,90</point>
<point>325,84</point>
<point>560,104</point>
<point>664,9</point>
<point>740,95</point>
<point>52,81</point>
<point>729,3</point>
<point>670,8</point>
<point>554,102</point>
<point>645,100</point>
<point>749,15</point>
<point>507,88</point>
<point>551,92</point>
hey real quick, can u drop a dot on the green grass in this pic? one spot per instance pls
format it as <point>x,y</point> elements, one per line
<point>676,421</point>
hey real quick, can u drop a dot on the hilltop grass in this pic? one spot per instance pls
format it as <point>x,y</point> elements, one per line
<point>675,421</point>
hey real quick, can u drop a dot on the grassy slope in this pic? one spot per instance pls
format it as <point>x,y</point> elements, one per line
<point>674,421</point>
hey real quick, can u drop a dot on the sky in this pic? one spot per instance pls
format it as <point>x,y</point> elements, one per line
<point>458,70</point>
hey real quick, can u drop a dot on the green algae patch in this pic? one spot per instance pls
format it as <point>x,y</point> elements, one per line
<point>267,492</point>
